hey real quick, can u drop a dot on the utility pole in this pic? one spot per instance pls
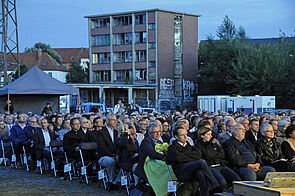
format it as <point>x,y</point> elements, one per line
<point>9,38</point>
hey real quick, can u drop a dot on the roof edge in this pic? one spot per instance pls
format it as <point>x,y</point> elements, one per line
<point>138,11</point>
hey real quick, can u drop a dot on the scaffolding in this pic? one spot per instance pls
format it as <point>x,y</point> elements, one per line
<point>9,39</point>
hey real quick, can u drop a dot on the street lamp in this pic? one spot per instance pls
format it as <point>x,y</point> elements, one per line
<point>253,102</point>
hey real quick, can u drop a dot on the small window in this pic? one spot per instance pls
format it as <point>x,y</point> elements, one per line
<point>152,26</point>
<point>45,63</point>
<point>50,73</point>
<point>72,58</point>
<point>152,64</point>
<point>152,45</point>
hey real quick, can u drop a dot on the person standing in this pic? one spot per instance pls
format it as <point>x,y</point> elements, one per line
<point>47,110</point>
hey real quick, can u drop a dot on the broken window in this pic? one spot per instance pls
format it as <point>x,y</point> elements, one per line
<point>140,56</point>
<point>100,40</point>
<point>140,37</point>
<point>140,19</point>
<point>122,38</point>
<point>140,74</point>
<point>101,23</point>
<point>122,21</point>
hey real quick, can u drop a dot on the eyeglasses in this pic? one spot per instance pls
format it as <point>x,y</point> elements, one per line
<point>155,132</point>
<point>130,127</point>
<point>270,131</point>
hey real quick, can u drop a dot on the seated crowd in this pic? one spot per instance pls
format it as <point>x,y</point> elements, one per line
<point>212,149</point>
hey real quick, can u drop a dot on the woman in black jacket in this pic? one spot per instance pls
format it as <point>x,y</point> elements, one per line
<point>214,155</point>
<point>269,149</point>
<point>288,146</point>
<point>127,148</point>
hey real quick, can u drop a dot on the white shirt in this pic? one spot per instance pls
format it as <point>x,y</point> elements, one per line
<point>46,137</point>
<point>21,126</point>
<point>182,144</point>
<point>139,137</point>
<point>111,132</point>
<point>84,130</point>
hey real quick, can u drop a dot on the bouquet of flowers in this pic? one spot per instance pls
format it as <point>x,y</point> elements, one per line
<point>161,147</point>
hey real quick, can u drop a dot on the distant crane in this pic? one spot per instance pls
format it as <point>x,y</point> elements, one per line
<point>9,38</point>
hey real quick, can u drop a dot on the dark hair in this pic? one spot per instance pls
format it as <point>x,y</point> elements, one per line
<point>261,120</point>
<point>272,120</point>
<point>220,123</point>
<point>203,123</point>
<point>252,120</point>
<point>72,120</point>
<point>289,130</point>
<point>175,130</point>
<point>94,120</point>
<point>202,131</point>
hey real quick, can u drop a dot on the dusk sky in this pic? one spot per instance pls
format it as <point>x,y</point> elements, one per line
<point>61,23</point>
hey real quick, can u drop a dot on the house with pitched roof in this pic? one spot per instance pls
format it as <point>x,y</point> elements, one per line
<point>42,60</point>
<point>81,55</point>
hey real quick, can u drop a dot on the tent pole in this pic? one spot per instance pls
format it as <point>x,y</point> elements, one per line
<point>8,105</point>
<point>78,103</point>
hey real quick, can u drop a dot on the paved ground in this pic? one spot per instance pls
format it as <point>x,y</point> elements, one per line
<point>20,182</point>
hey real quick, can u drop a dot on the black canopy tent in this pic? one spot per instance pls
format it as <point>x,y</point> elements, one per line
<point>33,90</point>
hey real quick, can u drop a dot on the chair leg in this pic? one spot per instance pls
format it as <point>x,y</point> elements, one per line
<point>104,178</point>
<point>83,167</point>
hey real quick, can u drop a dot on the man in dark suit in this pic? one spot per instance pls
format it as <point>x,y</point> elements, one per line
<point>188,165</point>
<point>106,148</point>
<point>242,156</point>
<point>147,148</point>
<point>253,134</point>
<point>72,140</point>
<point>42,139</point>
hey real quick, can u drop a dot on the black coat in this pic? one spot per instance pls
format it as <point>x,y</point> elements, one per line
<point>123,151</point>
<point>212,153</point>
<point>250,137</point>
<point>178,155</point>
<point>72,139</point>
<point>287,150</point>
<point>240,154</point>
<point>147,148</point>
<point>38,138</point>
<point>105,145</point>
<point>269,151</point>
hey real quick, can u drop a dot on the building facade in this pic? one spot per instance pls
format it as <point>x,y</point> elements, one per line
<point>146,57</point>
<point>40,59</point>
<point>81,55</point>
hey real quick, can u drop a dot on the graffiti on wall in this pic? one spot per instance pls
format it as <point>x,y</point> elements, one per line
<point>188,89</point>
<point>166,88</point>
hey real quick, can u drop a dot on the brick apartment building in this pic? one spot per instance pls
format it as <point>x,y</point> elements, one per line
<point>147,57</point>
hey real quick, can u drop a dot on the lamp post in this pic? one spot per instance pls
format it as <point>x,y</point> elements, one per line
<point>233,101</point>
<point>253,105</point>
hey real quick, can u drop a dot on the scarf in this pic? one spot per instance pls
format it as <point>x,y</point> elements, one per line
<point>292,144</point>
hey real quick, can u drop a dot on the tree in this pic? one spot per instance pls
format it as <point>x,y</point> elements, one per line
<point>76,74</point>
<point>13,76</point>
<point>227,30</point>
<point>45,48</point>
<point>232,65</point>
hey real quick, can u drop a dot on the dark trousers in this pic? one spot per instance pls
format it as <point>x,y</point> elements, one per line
<point>18,150</point>
<point>44,153</point>
<point>283,166</point>
<point>200,172</point>
<point>225,175</point>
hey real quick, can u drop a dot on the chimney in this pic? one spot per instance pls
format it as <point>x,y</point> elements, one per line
<point>39,54</point>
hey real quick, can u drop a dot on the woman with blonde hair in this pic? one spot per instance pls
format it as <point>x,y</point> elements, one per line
<point>127,148</point>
